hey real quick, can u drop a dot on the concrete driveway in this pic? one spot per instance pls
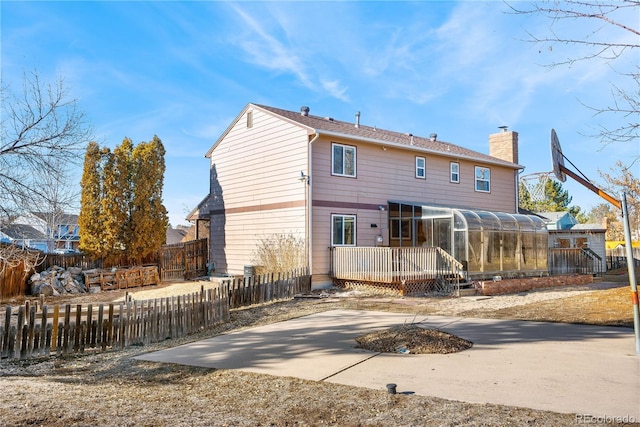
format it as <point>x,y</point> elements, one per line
<point>551,366</point>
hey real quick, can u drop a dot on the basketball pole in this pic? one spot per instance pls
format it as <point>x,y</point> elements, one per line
<point>627,236</point>
<point>631,270</point>
<point>560,171</point>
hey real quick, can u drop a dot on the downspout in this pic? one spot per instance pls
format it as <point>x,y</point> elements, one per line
<point>309,202</point>
<point>516,174</point>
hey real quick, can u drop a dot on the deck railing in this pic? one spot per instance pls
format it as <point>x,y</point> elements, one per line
<point>393,265</point>
<point>574,261</point>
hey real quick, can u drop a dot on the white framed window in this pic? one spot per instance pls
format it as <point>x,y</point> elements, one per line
<point>249,119</point>
<point>343,230</point>
<point>343,160</point>
<point>483,179</point>
<point>421,165</point>
<point>454,172</point>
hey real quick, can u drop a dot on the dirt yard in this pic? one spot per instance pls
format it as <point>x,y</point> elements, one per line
<point>112,389</point>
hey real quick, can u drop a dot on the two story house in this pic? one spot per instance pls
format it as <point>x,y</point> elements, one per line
<point>61,229</point>
<point>335,183</point>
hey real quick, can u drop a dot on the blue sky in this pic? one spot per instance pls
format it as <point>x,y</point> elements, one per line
<point>184,70</point>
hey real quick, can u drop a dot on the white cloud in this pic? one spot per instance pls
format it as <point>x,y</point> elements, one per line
<point>267,51</point>
<point>335,89</point>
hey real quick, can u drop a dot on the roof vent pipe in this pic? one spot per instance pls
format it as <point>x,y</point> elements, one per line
<point>433,136</point>
<point>304,110</point>
<point>358,119</point>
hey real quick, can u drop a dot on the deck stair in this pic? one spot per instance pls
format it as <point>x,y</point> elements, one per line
<point>444,283</point>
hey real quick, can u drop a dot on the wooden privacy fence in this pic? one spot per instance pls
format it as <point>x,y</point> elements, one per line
<point>244,291</point>
<point>186,260</point>
<point>13,279</point>
<point>39,331</point>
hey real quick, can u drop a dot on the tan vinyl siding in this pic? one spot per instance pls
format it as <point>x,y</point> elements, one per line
<point>256,177</point>
<point>390,175</point>
<point>244,231</point>
<point>384,175</point>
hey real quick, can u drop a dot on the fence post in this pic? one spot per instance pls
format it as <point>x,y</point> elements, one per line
<point>5,337</point>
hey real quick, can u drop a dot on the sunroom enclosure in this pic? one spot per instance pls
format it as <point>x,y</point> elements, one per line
<point>485,243</point>
<point>462,243</point>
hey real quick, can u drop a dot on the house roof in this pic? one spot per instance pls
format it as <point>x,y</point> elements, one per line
<point>336,128</point>
<point>175,235</point>
<point>21,232</point>
<point>195,213</point>
<point>61,219</point>
<point>594,228</point>
<point>553,216</point>
<point>612,244</point>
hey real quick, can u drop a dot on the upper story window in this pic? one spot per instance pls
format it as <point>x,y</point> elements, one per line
<point>421,168</point>
<point>249,119</point>
<point>454,169</point>
<point>343,230</point>
<point>483,179</point>
<point>343,160</point>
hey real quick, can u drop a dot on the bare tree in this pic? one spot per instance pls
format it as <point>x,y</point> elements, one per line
<point>42,134</point>
<point>41,130</point>
<point>614,35</point>
<point>57,196</point>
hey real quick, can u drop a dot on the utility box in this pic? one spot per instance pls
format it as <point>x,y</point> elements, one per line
<point>249,271</point>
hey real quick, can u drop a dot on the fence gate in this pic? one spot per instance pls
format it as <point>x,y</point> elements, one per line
<point>186,260</point>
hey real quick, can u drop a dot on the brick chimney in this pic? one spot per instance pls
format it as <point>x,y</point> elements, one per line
<point>504,145</point>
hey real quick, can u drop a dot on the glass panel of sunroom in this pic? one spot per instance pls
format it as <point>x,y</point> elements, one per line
<point>510,250</point>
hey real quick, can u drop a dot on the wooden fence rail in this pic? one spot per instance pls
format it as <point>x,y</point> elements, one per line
<point>45,331</point>
<point>392,265</point>
<point>244,291</point>
<point>573,261</point>
<point>33,330</point>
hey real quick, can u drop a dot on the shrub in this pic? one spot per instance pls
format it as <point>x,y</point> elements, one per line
<point>279,253</point>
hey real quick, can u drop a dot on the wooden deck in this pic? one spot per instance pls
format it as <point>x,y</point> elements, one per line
<point>394,266</point>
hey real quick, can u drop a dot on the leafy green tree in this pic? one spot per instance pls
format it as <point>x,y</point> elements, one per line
<point>149,219</point>
<point>91,230</point>
<point>116,203</point>
<point>122,212</point>
<point>524,197</point>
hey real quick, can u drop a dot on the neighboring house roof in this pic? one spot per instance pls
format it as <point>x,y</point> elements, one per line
<point>175,235</point>
<point>21,232</point>
<point>61,219</point>
<point>558,220</point>
<point>612,244</point>
<point>564,221</point>
<point>336,128</point>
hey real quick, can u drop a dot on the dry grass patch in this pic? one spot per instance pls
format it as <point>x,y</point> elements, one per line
<point>610,307</point>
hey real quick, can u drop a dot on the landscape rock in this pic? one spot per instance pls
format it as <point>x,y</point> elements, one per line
<point>57,281</point>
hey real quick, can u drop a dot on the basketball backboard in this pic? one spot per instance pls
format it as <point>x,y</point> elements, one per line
<point>557,157</point>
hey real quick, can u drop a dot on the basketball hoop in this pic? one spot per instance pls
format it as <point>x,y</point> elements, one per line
<point>535,184</point>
